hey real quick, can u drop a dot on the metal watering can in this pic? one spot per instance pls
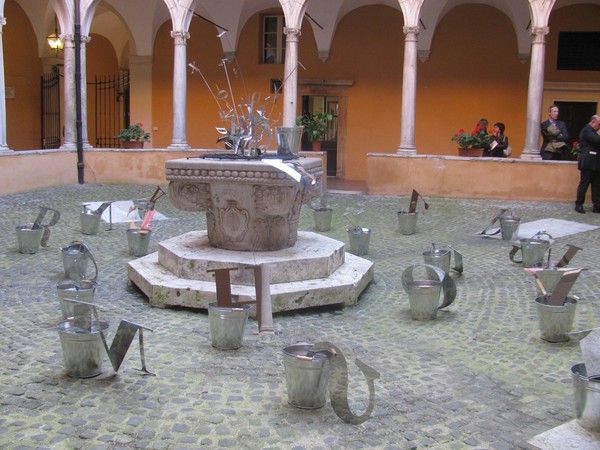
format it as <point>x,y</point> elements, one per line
<point>31,235</point>
<point>90,219</point>
<point>533,250</point>
<point>423,283</point>
<point>82,338</point>
<point>76,257</point>
<point>440,256</point>
<point>312,369</point>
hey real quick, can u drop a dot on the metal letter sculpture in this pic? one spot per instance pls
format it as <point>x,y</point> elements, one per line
<point>338,382</point>
<point>38,223</point>
<point>122,339</point>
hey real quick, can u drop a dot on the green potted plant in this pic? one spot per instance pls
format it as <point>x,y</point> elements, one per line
<point>133,136</point>
<point>470,144</point>
<point>315,127</point>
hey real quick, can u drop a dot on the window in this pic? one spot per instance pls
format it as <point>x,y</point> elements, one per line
<point>273,40</point>
<point>578,51</point>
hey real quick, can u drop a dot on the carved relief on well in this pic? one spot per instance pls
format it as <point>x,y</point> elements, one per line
<point>273,200</point>
<point>271,233</point>
<point>233,222</point>
<point>190,196</point>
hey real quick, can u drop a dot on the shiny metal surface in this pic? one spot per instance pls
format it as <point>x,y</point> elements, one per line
<point>227,325</point>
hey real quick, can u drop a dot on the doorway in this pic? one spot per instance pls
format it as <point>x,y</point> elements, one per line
<point>312,104</point>
<point>331,96</point>
<point>576,115</point>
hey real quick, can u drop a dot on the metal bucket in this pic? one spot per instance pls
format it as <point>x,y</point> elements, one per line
<point>288,140</point>
<point>138,242</point>
<point>90,221</point>
<point>555,321</point>
<point>509,225</point>
<point>323,218</point>
<point>75,262</point>
<point>440,257</point>
<point>82,349</point>
<point>359,240</point>
<point>29,240</point>
<point>533,252</point>
<point>549,279</point>
<point>587,398</point>
<point>306,376</point>
<point>83,291</point>
<point>424,298</point>
<point>407,222</point>
<point>227,325</point>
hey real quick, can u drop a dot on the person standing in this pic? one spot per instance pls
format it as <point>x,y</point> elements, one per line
<point>589,165</point>
<point>554,136</point>
<point>499,142</point>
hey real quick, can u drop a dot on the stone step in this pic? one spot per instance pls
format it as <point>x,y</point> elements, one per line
<point>163,288</point>
<point>190,255</point>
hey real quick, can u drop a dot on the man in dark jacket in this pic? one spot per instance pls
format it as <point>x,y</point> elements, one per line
<point>554,136</point>
<point>589,165</point>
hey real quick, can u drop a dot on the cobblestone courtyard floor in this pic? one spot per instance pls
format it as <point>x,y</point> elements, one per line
<point>478,377</point>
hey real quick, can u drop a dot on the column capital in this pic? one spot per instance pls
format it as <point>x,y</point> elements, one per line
<point>292,34</point>
<point>411,30</point>
<point>180,37</point>
<point>539,33</point>
<point>70,39</point>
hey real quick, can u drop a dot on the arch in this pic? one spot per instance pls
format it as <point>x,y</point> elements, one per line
<point>433,12</point>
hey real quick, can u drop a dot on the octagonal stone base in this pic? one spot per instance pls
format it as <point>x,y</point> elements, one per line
<point>315,272</point>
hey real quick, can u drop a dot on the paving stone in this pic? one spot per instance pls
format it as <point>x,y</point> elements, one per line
<point>478,376</point>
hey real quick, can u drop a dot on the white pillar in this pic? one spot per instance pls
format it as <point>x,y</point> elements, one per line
<point>179,89</point>
<point>535,93</point>
<point>409,92</point>
<point>140,73</point>
<point>84,109</point>
<point>70,101</point>
<point>290,74</point>
<point>3,138</point>
<point>70,133</point>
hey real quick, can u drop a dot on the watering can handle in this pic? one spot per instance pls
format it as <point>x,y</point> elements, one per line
<point>86,249</point>
<point>512,254</point>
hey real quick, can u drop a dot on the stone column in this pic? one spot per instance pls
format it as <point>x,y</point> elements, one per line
<point>409,92</point>
<point>179,89</point>
<point>290,73</point>
<point>70,101</point>
<point>535,93</point>
<point>3,141</point>
<point>69,133</point>
<point>84,108</point>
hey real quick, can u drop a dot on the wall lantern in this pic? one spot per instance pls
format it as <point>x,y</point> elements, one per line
<point>54,41</point>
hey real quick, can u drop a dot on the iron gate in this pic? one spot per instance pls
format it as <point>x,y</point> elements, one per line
<point>51,109</point>
<point>111,97</point>
<point>109,104</point>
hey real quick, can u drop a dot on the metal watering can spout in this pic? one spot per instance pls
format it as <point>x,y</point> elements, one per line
<point>338,382</point>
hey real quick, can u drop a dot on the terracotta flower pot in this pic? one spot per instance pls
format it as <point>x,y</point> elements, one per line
<point>132,144</point>
<point>471,151</point>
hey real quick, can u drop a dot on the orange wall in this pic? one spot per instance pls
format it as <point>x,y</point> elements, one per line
<point>572,18</point>
<point>101,65</point>
<point>473,72</point>
<point>22,71</point>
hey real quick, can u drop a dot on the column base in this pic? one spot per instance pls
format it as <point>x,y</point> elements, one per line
<point>178,146</point>
<point>407,150</point>
<point>533,155</point>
